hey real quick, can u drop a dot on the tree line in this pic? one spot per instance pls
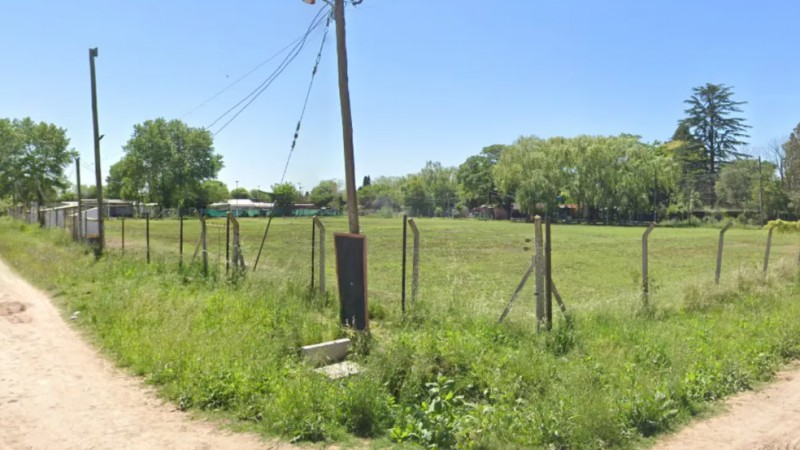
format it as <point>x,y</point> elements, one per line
<point>703,167</point>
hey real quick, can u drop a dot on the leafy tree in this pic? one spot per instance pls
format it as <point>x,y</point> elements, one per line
<point>416,197</point>
<point>284,196</point>
<point>791,168</point>
<point>709,118</point>
<point>384,192</point>
<point>240,193</point>
<point>259,195</point>
<point>609,176</point>
<point>33,157</point>
<point>325,193</point>
<point>440,184</point>
<point>476,180</point>
<point>210,191</point>
<point>738,187</point>
<point>166,162</point>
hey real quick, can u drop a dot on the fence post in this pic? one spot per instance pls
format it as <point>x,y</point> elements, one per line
<point>548,287</point>
<point>180,237</point>
<point>204,243</point>
<point>238,259</point>
<point>228,243</point>
<point>313,248</point>
<point>719,251</point>
<point>403,271</point>
<point>769,246</point>
<point>414,262</point>
<point>321,226</point>
<point>540,271</point>
<point>123,236</point>
<point>147,234</point>
<point>645,277</point>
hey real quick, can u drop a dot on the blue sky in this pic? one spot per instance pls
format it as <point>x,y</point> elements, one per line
<point>430,79</point>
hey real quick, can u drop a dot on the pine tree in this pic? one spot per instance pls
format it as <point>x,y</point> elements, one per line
<point>709,118</point>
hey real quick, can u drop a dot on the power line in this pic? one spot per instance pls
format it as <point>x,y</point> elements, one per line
<point>250,72</point>
<point>296,135</point>
<point>305,102</point>
<point>253,95</point>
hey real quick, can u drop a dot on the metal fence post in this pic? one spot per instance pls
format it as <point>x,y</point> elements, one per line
<point>719,251</point>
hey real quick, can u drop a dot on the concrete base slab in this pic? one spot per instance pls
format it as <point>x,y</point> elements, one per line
<point>326,352</point>
<point>340,370</point>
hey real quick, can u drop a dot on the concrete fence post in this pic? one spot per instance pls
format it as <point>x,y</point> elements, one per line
<point>719,251</point>
<point>540,271</point>
<point>321,227</point>
<point>414,261</point>
<point>645,275</point>
<point>204,243</point>
<point>769,246</point>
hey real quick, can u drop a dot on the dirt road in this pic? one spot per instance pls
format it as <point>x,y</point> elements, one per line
<point>766,419</point>
<point>57,392</point>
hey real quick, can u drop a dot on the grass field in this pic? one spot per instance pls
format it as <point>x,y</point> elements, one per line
<point>447,374</point>
<point>477,264</point>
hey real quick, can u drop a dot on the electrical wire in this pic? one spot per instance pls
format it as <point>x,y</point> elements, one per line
<point>238,80</point>
<point>296,135</point>
<point>255,93</point>
<point>305,102</point>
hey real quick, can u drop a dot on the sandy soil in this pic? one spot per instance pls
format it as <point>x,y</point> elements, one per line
<point>57,392</point>
<point>768,418</point>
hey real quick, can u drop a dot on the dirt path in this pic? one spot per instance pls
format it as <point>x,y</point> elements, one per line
<point>757,420</point>
<point>57,392</point>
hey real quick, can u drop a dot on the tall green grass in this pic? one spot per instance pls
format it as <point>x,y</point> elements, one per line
<point>446,375</point>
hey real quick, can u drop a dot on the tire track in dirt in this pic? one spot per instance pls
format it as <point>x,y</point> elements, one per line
<point>765,419</point>
<point>56,391</point>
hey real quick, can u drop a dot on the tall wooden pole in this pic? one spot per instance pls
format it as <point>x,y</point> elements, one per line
<point>98,172</point>
<point>80,202</point>
<point>347,120</point>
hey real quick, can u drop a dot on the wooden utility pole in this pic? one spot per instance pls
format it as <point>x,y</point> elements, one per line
<point>97,171</point>
<point>80,202</point>
<point>347,120</point>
